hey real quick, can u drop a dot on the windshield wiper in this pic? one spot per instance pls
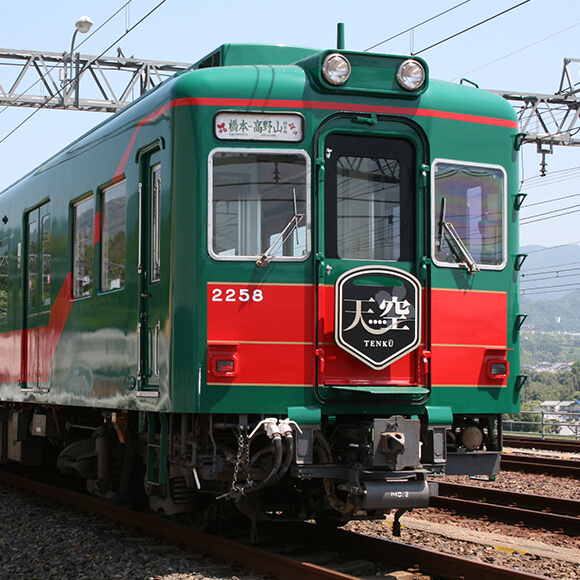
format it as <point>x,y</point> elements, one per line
<point>456,244</point>
<point>292,225</point>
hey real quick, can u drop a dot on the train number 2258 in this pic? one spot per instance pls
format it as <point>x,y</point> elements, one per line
<point>233,295</point>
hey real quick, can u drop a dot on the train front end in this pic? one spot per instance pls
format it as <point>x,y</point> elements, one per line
<point>358,282</point>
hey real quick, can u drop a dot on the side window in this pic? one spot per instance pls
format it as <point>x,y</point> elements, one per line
<point>468,215</point>
<point>259,205</point>
<point>3,280</point>
<point>83,247</point>
<point>113,238</point>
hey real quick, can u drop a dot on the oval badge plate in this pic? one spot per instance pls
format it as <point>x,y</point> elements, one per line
<point>378,314</point>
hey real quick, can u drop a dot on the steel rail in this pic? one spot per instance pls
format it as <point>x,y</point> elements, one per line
<point>568,445</point>
<point>537,511</point>
<point>248,556</point>
<point>428,561</point>
<point>543,465</point>
<point>377,549</point>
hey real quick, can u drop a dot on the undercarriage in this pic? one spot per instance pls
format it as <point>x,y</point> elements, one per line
<point>207,467</point>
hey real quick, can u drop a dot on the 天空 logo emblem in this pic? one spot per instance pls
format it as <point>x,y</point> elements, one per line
<point>377,314</point>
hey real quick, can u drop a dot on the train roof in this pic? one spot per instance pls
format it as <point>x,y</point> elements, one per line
<point>373,76</point>
<point>237,70</point>
<point>253,54</point>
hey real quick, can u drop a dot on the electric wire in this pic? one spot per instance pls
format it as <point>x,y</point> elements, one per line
<point>551,266</point>
<point>540,217</point>
<point>416,26</point>
<point>530,279</point>
<point>556,175</point>
<point>516,51</point>
<point>552,200</point>
<point>84,68</point>
<point>525,221</point>
<point>536,290</point>
<point>473,26</point>
<point>558,276</point>
<point>553,247</point>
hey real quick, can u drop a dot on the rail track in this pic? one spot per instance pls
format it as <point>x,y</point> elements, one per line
<point>565,445</point>
<point>543,465</point>
<point>270,563</point>
<point>510,507</point>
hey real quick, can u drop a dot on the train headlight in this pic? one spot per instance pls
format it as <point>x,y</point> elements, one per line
<point>336,69</point>
<point>411,75</point>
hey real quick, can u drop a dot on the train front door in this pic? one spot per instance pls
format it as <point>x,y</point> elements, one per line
<point>37,299</point>
<point>369,299</point>
<point>152,287</point>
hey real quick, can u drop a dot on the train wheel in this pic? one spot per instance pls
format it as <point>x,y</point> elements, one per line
<point>327,523</point>
<point>202,518</point>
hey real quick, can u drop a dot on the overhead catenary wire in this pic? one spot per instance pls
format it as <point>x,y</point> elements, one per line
<point>537,217</point>
<point>553,247</point>
<point>84,68</point>
<point>539,268</point>
<point>473,26</point>
<point>540,217</point>
<point>516,51</point>
<point>554,177</point>
<point>416,26</point>
<point>551,276</point>
<point>553,200</point>
<point>537,289</point>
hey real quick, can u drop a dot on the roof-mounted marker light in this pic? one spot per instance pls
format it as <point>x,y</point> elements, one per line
<point>411,75</point>
<point>336,69</point>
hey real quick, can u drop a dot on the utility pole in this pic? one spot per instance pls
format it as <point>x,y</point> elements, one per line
<point>49,80</point>
<point>110,83</point>
<point>550,120</point>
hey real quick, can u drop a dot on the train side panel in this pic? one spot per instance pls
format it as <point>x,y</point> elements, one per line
<point>81,298</point>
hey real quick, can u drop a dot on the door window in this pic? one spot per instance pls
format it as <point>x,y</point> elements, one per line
<point>369,199</point>
<point>46,243</point>
<point>33,261</point>
<point>155,223</point>
<point>3,280</point>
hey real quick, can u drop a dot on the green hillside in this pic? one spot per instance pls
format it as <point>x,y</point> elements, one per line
<point>550,337</point>
<point>559,315</point>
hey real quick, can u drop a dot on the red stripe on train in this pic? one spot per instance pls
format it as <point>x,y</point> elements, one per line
<point>270,331</point>
<point>12,344</point>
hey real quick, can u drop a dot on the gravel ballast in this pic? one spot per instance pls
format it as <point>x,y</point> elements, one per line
<point>44,541</point>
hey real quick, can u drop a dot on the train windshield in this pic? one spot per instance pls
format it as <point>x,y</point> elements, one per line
<point>368,208</point>
<point>369,199</point>
<point>259,205</point>
<point>469,211</point>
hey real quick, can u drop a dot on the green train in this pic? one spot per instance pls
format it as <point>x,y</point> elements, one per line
<point>282,283</point>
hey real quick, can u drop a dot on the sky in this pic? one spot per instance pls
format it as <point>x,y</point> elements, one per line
<point>522,50</point>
